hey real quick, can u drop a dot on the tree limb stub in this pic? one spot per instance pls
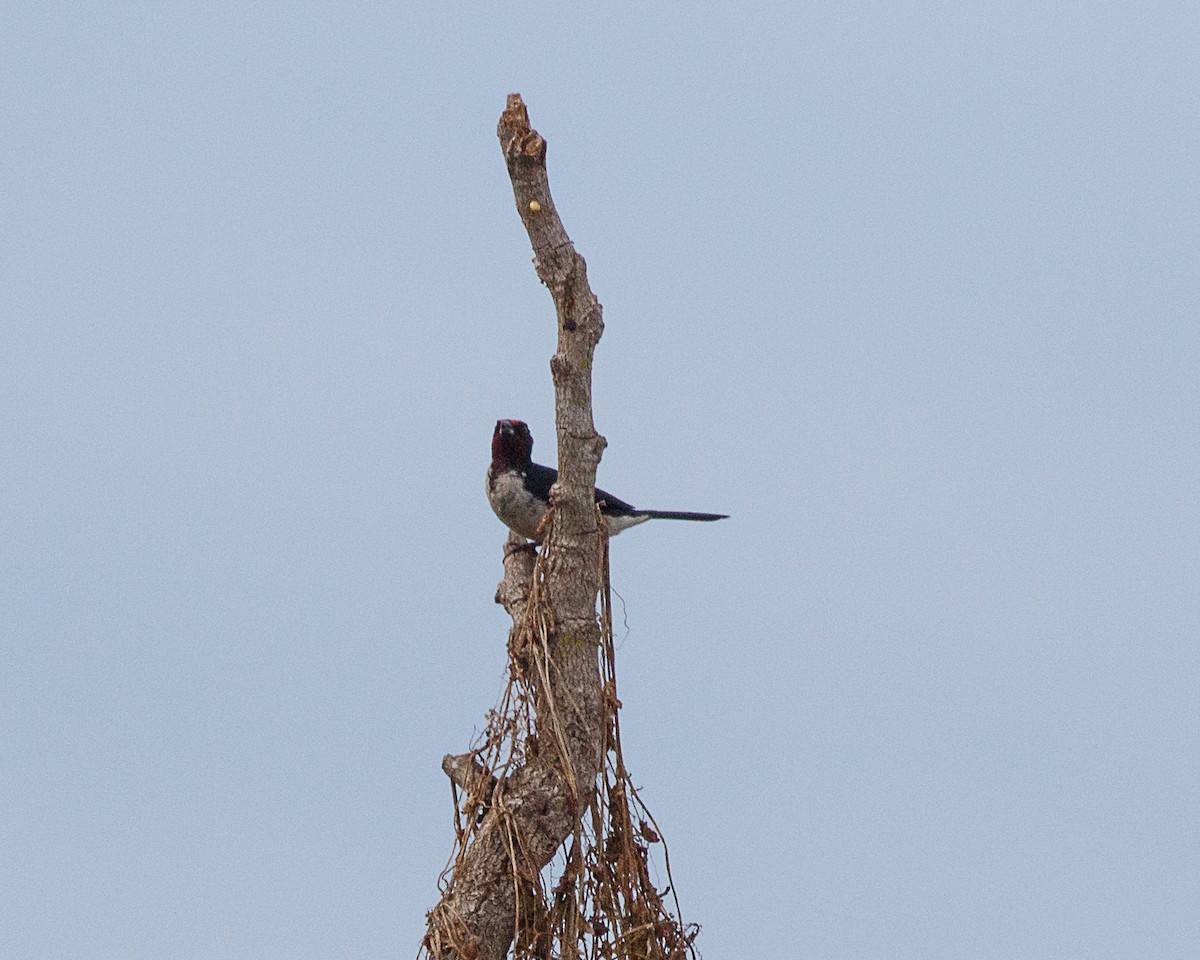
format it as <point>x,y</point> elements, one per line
<point>580,321</point>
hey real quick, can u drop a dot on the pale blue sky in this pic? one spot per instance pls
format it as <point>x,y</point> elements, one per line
<point>909,289</point>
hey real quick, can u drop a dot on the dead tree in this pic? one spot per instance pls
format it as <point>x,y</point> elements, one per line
<point>548,776</point>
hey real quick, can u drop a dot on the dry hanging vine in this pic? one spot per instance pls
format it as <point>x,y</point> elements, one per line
<point>604,904</point>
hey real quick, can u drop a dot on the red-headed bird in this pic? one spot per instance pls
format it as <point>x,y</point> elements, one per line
<point>519,489</point>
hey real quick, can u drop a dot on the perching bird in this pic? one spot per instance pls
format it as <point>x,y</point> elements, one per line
<point>519,489</point>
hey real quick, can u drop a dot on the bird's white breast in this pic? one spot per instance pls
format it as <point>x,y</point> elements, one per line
<point>519,510</point>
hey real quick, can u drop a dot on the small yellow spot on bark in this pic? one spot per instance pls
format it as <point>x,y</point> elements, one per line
<point>534,206</point>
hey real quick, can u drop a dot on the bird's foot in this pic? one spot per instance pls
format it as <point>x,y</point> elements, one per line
<point>530,545</point>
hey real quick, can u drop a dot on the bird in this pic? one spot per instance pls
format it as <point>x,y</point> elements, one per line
<point>519,489</point>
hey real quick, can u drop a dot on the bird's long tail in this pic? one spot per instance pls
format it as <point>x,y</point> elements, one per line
<point>682,515</point>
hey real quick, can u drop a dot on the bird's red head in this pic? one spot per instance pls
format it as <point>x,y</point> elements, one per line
<point>512,445</point>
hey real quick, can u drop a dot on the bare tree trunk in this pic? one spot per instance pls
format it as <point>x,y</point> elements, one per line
<point>532,811</point>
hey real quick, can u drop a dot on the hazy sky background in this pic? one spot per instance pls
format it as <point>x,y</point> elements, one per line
<point>911,290</point>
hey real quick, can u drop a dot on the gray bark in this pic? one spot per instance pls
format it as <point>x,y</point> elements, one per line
<point>541,803</point>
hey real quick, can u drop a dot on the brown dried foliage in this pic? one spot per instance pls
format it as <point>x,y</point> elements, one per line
<point>597,899</point>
